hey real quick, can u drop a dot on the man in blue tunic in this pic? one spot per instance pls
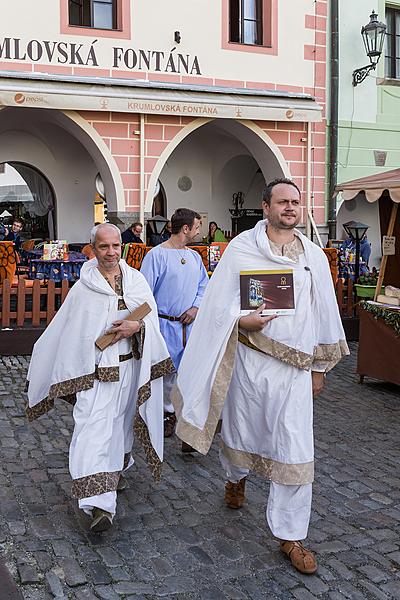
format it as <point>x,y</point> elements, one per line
<point>178,279</point>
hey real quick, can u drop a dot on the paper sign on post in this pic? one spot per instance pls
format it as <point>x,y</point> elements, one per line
<point>389,245</point>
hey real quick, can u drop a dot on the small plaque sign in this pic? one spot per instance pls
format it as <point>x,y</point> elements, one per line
<point>389,245</point>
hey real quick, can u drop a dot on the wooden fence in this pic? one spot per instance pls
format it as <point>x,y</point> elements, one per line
<point>34,305</point>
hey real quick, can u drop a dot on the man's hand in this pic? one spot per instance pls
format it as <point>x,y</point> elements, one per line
<point>188,316</point>
<point>255,321</point>
<point>124,329</point>
<point>318,382</point>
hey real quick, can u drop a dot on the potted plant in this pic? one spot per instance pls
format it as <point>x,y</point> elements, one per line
<point>365,288</point>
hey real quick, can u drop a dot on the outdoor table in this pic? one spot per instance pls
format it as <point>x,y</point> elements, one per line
<point>379,343</point>
<point>57,270</point>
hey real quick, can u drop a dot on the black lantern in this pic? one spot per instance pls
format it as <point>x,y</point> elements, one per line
<point>357,231</point>
<point>373,36</point>
<point>157,225</point>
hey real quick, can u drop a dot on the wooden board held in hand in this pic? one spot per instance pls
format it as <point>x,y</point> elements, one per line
<point>139,313</point>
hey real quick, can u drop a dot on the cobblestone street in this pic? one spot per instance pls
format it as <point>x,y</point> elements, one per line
<point>177,539</point>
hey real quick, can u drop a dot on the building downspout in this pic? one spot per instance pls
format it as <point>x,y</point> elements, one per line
<point>141,162</point>
<point>308,181</point>
<point>333,119</point>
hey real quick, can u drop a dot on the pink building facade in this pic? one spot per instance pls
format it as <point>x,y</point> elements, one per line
<point>188,111</point>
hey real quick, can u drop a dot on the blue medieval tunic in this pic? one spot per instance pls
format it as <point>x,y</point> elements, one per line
<point>176,287</point>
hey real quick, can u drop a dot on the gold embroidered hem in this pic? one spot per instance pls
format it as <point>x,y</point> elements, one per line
<point>94,485</point>
<point>67,390</point>
<point>201,439</point>
<point>275,471</point>
<point>328,355</point>
<point>138,342</point>
<point>98,483</point>
<point>159,370</point>
<point>266,345</point>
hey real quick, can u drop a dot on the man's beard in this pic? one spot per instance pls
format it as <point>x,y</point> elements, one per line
<point>278,224</point>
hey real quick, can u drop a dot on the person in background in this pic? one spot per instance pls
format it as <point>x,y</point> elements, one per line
<point>178,279</point>
<point>132,234</point>
<point>13,234</point>
<point>215,234</point>
<point>347,257</point>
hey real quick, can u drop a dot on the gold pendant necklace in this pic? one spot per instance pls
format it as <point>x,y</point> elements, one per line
<point>183,259</point>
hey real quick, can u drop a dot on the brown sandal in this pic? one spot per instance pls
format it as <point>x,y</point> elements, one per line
<point>234,493</point>
<point>302,559</point>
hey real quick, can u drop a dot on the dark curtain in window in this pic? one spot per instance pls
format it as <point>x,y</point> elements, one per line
<point>246,21</point>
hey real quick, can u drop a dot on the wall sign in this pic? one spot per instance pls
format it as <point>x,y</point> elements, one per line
<point>389,245</point>
<point>81,54</point>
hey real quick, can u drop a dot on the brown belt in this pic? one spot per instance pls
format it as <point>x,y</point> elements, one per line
<point>184,334</point>
<point>124,357</point>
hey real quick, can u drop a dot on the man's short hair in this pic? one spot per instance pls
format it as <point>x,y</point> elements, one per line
<point>18,220</point>
<point>97,228</point>
<point>137,224</point>
<point>181,217</point>
<point>267,191</point>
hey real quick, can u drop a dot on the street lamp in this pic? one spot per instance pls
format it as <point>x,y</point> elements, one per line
<point>373,36</point>
<point>357,231</point>
<point>157,226</point>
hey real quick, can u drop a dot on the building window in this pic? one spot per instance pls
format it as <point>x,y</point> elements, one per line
<point>99,14</point>
<point>392,51</point>
<point>246,22</point>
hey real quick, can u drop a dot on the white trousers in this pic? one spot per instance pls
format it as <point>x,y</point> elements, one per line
<point>168,383</point>
<point>103,433</point>
<point>288,508</point>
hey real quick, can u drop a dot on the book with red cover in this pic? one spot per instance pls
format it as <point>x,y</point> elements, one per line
<point>274,288</point>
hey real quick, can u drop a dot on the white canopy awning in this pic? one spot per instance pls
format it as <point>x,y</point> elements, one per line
<point>373,186</point>
<point>132,96</point>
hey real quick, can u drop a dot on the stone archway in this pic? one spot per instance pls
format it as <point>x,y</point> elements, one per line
<point>218,158</point>
<point>70,153</point>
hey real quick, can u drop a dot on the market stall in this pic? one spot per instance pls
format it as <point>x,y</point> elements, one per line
<point>379,342</point>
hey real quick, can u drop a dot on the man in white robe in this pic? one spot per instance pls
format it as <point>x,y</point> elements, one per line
<point>260,372</point>
<point>111,390</point>
<point>178,279</point>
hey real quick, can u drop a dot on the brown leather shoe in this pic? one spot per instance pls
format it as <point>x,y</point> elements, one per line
<point>169,424</point>
<point>122,484</point>
<point>234,493</point>
<point>302,559</point>
<point>101,521</point>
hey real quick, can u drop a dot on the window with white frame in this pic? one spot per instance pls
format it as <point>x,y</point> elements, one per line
<point>246,22</point>
<point>99,14</point>
<point>392,47</point>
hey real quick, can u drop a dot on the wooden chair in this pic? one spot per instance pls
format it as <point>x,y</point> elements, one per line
<point>88,251</point>
<point>134,254</point>
<point>8,262</point>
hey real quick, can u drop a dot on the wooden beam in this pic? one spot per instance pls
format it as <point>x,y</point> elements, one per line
<point>382,269</point>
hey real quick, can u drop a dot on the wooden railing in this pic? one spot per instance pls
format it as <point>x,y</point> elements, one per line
<point>33,306</point>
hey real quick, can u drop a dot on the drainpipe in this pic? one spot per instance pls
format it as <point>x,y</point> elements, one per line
<point>333,119</point>
<point>308,181</point>
<point>141,183</point>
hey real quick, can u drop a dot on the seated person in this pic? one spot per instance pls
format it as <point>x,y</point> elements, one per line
<point>132,234</point>
<point>347,257</point>
<point>215,234</point>
<point>13,234</point>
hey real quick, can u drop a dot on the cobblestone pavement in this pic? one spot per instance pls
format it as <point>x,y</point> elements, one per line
<point>177,540</point>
